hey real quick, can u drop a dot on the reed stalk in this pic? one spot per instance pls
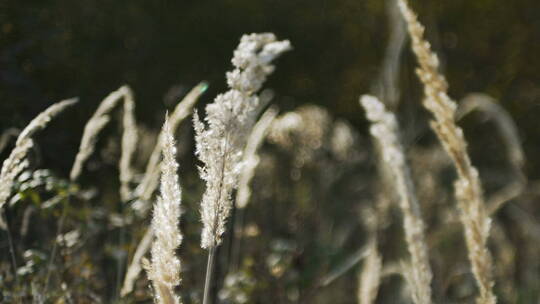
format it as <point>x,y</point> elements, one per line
<point>468,188</point>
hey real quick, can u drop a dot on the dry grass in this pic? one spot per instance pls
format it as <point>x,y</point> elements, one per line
<point>97,122</point>
<point>385,130</point>
<point>164,269</point>
<point>320,212</point>
<point>475,219</point>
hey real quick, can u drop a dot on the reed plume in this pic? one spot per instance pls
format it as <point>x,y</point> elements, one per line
<point>16,161</point>
<point>164,270</point>
<point>95,125</point>
<point>468,188</point>
<point>385,130</point>
<point>219,145</point>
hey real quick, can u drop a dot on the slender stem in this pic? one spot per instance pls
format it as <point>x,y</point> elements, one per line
<point>209,271</point>
<point>11,247</point>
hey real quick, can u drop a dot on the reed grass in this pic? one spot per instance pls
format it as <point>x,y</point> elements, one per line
<point>95,125</point>
<point>468,188</point>
<point>150,183</point>
<point>220,145</point>
<point>228,141</point>
<point>164,270</point>
<point>385,130</point>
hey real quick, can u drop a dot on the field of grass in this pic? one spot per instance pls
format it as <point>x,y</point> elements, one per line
<point>239,193</point>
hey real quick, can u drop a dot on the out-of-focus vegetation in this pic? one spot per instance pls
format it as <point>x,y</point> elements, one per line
<point>54,49</point>
<point>313,194</point>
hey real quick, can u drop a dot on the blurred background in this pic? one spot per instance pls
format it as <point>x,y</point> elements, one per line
<point>52,50</point>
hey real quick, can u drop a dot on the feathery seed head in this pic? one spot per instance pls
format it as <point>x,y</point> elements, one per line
<point>220,142</point>
<point>252,60</point>
<point>164,270</point>
<point>468,187</point>
<point>385,130</point>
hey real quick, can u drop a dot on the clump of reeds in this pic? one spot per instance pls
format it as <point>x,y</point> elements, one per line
<point>220,145</point>
<point>468,187</point>
<point>17,162</point>
<point>164,270</point>
<point>385,130</point>
<point>150,182</point>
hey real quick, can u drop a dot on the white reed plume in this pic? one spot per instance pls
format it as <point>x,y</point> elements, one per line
<point>385,130</point>
<point>95,125</point>
<point>220,145</point>
<point>184,108</point>
<point>164,270</point>
<point>16,161</point>
<point>251,159</point>
<point>469,192</point>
